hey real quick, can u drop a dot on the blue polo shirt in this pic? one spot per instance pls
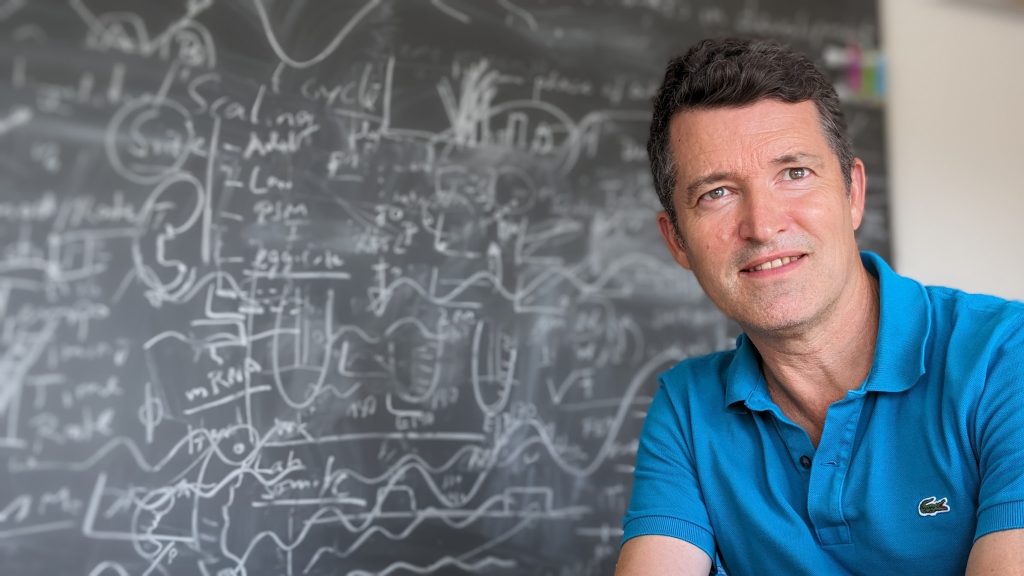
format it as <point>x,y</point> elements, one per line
<point>923,458</point>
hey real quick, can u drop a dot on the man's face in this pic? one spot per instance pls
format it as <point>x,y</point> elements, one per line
<point>766,221</point>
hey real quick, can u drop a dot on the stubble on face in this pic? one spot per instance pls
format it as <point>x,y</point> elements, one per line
<point>741,143</point>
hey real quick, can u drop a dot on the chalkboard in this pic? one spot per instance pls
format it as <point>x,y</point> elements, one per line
<point>353,288</point>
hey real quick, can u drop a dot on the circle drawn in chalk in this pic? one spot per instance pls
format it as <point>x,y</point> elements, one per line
<point>148,139</point>
<point>237,445</point>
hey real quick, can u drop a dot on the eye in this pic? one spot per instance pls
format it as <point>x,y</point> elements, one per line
<point>796,173</point>
<point>716,194</point>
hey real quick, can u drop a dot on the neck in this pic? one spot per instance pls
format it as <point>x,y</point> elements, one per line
<point>810,368</point>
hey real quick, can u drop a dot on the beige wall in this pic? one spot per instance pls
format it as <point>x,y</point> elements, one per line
<point>956,143</point>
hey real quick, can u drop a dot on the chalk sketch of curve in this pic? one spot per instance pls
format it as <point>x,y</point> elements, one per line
<point>491,365</point>
<point>429,513</point>
<point>413,463</point>
<point>363,523</point>
<point>460,561</point>
<point>327,50</point>
<point>240,457</point>
<point>332,336</point>
<point>127,32</point>
<point>131,447</point>
<point>554,276</point>
<point>642,376</point>
<point>152,221</point>
<point>275,347</point>
<point>384,294</point>
<point>549,233</point>
<point>577,137</point>
<point>153,505</point>
<point>331,515</point>
<point>472,108</point>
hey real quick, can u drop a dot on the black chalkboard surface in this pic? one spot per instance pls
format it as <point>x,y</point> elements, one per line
<point>293,287</point>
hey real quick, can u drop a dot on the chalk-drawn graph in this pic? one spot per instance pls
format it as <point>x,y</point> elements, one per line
<point>362,290</point>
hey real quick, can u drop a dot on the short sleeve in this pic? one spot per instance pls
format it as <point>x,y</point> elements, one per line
<point>999,433</point>
<point>667,499</point>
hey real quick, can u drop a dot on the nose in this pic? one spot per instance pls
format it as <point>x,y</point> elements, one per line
<point>763,215</point>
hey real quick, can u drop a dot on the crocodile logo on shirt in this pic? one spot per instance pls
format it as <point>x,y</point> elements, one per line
<point>930,506</point>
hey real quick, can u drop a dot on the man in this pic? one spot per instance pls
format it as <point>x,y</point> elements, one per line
<point>864,423</point>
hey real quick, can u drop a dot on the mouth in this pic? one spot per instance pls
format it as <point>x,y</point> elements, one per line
<point>773,263</point>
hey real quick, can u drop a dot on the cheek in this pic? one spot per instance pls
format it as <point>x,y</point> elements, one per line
<point>823,212</point>
<point>713,229</point>
<point>707,242</point>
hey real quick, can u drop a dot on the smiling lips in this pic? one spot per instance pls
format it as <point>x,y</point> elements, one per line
<point>778,262</point>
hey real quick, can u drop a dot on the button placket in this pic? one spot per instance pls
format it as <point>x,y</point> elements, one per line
<point>824,495</point>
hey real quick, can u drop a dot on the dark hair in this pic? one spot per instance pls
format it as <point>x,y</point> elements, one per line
<point>725,72</point>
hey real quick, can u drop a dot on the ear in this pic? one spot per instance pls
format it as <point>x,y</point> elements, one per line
<point>858,192</point>
<point>673,240</point>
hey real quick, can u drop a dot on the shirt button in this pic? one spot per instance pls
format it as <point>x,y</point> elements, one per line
<point>805,461</point>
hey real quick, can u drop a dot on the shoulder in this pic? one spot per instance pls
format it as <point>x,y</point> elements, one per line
<point>977,348</point>
<point>942,313</point>
<point>699,371</point>
<point>982,304</point>
<point>976,322</point>
<point>700,384</point>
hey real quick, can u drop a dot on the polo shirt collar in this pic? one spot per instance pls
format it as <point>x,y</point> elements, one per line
<point>903,330</point>
<point>744,382</point>
<point>904,326</point>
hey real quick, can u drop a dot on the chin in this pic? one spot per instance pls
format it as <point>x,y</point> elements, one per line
<point>780,322</point>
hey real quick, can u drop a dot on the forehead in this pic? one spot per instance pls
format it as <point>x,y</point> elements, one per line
<point>731,138</point>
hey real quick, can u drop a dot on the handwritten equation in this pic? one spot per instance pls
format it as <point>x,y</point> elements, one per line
<point>367,288</point>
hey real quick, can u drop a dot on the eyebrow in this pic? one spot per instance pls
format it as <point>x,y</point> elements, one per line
<point>699,184</point>
<point>797,158</point>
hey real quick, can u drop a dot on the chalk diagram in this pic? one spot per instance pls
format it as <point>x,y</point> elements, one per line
<point>356,303</point>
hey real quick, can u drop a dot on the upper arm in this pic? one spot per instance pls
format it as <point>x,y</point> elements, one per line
<point>646,555</point>
<point>998,553</point>
<point>999,438</point>
<point>667,499</point>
